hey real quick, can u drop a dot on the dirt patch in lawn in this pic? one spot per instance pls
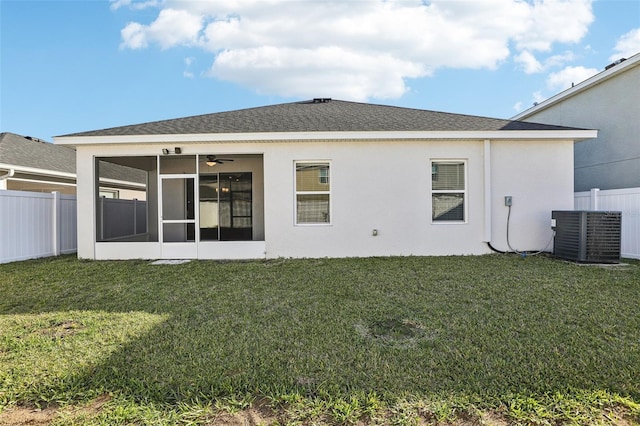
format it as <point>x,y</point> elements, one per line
<point>261,414</point>
<point>20,416</point>
<point>61,329</point>
<point>253,416</point>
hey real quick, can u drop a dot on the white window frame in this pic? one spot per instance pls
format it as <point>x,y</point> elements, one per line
<point>296,192</point>
<point>465,199</point>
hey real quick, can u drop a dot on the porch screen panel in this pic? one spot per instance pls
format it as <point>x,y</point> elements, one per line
<point>123,185</point>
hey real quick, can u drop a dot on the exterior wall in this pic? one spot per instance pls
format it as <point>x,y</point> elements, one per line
<point>374,185</point>
<point>613,159</point>
<point>539,178</point>
<point>381,185</point>
<point>389,191</point>
<point>40,186</point>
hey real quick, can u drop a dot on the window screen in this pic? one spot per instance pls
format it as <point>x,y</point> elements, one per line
<point>448,191</point>
<point>313,193</point>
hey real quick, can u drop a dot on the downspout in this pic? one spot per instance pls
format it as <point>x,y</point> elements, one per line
<point>9,174</point>
<point>4,177</point>
<point>488,211</point>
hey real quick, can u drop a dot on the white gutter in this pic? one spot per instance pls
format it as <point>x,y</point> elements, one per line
<point>573,134</point>
<point>123,183</point>
<point>36,171</point>
<point>9,174</point>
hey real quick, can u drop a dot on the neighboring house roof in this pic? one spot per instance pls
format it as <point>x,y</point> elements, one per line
<point>320,115</point>
<point>35,156</point>
<point>610,71</point>
<point>21,151</point>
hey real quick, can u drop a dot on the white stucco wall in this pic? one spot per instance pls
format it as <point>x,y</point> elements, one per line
<point>539,177</point>
<point>386,186</point>
<point>382,185</point>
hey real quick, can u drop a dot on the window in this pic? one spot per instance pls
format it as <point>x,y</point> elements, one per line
<point>313,193</point>
<point>448,191</point>
<point>323,176</point>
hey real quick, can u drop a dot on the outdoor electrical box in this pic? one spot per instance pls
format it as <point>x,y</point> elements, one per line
<point>587,236</point>
<point>508,200</point>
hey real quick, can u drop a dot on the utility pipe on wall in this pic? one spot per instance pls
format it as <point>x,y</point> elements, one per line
<point>487,191</point>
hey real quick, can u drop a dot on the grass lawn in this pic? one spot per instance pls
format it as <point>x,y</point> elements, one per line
<point>411,340</point>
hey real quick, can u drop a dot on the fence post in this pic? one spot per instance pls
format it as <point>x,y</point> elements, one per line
<point>593,199</point>
<point>57,223</point>
<point>135,216</point>
<point>101,213</point>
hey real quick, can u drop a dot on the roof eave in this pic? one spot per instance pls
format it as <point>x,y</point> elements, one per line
<point>572,134</point>
<point>580,87</point>
<point>37,171</point>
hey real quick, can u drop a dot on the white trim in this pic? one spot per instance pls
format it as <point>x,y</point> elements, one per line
<point>36,171</point>
<point>580,87</point>
<point>574,134</point>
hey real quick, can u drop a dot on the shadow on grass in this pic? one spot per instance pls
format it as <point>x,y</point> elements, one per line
<point>478,327</point>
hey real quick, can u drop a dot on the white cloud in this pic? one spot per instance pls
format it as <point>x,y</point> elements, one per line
<point>187,67</point>
<point>304,72</point>
<point>358,49</point>
<point>569,76</point>
<point>531,65</point>
<point>518,106</point>
<point>627,45</point>
<point>173,27</point>
<point>134,36</point>
<point>538,97</point>
<point>554,21</point>
<point>117,4</point>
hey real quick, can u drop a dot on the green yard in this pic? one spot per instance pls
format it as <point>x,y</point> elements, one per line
<point>378,341</point>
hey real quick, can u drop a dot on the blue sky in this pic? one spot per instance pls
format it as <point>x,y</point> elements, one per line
<point>70,66</point>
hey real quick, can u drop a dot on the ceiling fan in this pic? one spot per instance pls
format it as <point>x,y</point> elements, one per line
<point>212,160</point>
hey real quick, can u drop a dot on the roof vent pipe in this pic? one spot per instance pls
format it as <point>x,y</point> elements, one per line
<point>613,64</point>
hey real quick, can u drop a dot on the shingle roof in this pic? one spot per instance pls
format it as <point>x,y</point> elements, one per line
<point>320,115</point>
<point>30,152</point>
<point>21,151</point>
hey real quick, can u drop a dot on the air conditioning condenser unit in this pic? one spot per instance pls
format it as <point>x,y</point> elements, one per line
<point>587,236</point>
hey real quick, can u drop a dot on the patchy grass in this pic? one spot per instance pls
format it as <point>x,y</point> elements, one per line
<point>380,340</point>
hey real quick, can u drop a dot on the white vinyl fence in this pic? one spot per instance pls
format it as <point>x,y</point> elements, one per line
<point>34,224</point>
<point>626,201</point>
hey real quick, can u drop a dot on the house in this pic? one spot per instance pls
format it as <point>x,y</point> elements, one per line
<point>330,178</point>
<point>609,102</point>
<point>31,164</point>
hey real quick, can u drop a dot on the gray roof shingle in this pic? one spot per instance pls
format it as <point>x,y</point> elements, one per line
<point>21,151</point>
<point>320,115</point>
<point>30,152</point>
